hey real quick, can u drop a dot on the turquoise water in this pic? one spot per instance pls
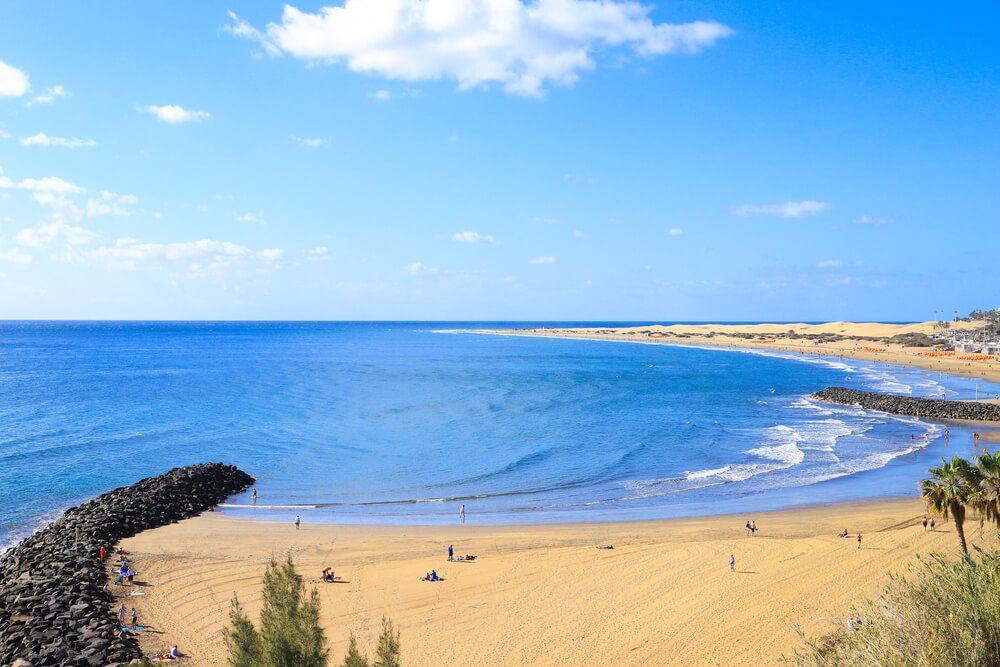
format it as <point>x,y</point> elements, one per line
<point>404,422</point>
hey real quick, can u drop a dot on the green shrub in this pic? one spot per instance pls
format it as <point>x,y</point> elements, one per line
<point>946,615</point>
<point>289,634</point>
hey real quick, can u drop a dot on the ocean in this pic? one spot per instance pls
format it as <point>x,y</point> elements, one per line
<point>403,422</point>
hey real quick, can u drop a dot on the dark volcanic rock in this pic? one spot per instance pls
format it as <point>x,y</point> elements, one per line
<point>53,608</point>
<point>929,408</point>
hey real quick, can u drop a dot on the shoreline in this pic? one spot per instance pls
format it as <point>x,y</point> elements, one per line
<point>722,336</point>
<point>664,590</point>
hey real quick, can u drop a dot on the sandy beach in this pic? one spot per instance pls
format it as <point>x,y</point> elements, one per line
<point>724,335</point>
<point>544,595</point>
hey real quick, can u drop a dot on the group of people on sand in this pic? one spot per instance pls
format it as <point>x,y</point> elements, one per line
<point>925,522</point>
<point>431,576</point>
<point>127,574</point>
<point>121,617</point>
<point>751,528</point>
<point>327,575</point>
<point>845,534</point>
<point>453,557</point>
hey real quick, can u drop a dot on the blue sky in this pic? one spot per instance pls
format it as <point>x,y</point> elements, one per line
<point>404,159</point>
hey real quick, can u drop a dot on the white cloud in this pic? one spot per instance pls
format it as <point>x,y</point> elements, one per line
<point>471,237</point>
<point>200,255</point>
<point>419,267</point>
<point>15,257</point>
<point>5,135</point>
<point>792,209</point>
<point>311,142</point>
<point>52,233</point>
<point>522,47</point>
<point>318,254</point>
<point>544,260</point>
<point>240,28</point>
<point>110,203</point>
<point>173,114</point>
<point>829,264</point>
<point>13,82</point>
<point>50,184</point>
<point>381,95</point>
<point>42,139</point>
<point>870,220</point>
<point>675,231</point>
<point>251,218</point>
<point>48,96</point>
<point>578,234</point>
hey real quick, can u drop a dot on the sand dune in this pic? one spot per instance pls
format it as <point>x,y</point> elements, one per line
<point>544,595</point>
<point>722,335</point>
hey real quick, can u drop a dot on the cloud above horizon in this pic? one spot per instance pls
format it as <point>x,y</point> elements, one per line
<point>791,209</point>
<point>472,237</point>
<point>174,114</point>
<point>544,260</point>
<point>201,255</point>
<point>42,139</point>
<point>13,82</point>
<point>311,142</point>
<point>521,47</point>
<point>49,96</point>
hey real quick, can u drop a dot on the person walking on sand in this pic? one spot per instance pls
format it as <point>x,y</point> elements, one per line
<point>747,529</point>
<point>753,528</point>
<point>732,563</point>
<point>859,540</point>
<point>932,523</point>
<point>925,523</point>
<point>121,614</point>
<point>461,514</point>
<point>297,521</point>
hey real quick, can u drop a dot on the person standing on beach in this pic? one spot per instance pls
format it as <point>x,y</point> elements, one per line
<point>925,523</point>
<point>121,614</point>
<point>747,529</point>
<point>297,522</point>
<point>135,618</point>
<point>859,539</point>
<point>932,524</point>
<point>461,514</point>
<point>753,528</point>
<point>732,562</point>
<point>451,553</point>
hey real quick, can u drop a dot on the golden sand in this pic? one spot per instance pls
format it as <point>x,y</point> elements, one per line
<point>544,595</point>
<point>721,335</point>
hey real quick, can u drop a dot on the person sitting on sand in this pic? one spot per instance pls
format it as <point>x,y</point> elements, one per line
<point>843,534</point>
<point>329,575</point>
<point>174,653</point>
<point>434,576</point>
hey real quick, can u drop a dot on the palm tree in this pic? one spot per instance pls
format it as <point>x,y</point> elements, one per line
<point>986,487</point>
<point>948,491</point>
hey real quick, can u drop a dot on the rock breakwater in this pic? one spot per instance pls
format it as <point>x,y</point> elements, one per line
<point>928,408</point>
<point>54,609</point>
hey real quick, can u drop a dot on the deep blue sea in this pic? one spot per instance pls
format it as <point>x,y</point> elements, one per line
<point>404,422</point>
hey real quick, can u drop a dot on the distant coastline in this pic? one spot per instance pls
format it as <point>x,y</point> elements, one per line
<point>865,341</point>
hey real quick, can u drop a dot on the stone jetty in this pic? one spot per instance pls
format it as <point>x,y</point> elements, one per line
<point>929,408</point>
<point>53,606</point>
